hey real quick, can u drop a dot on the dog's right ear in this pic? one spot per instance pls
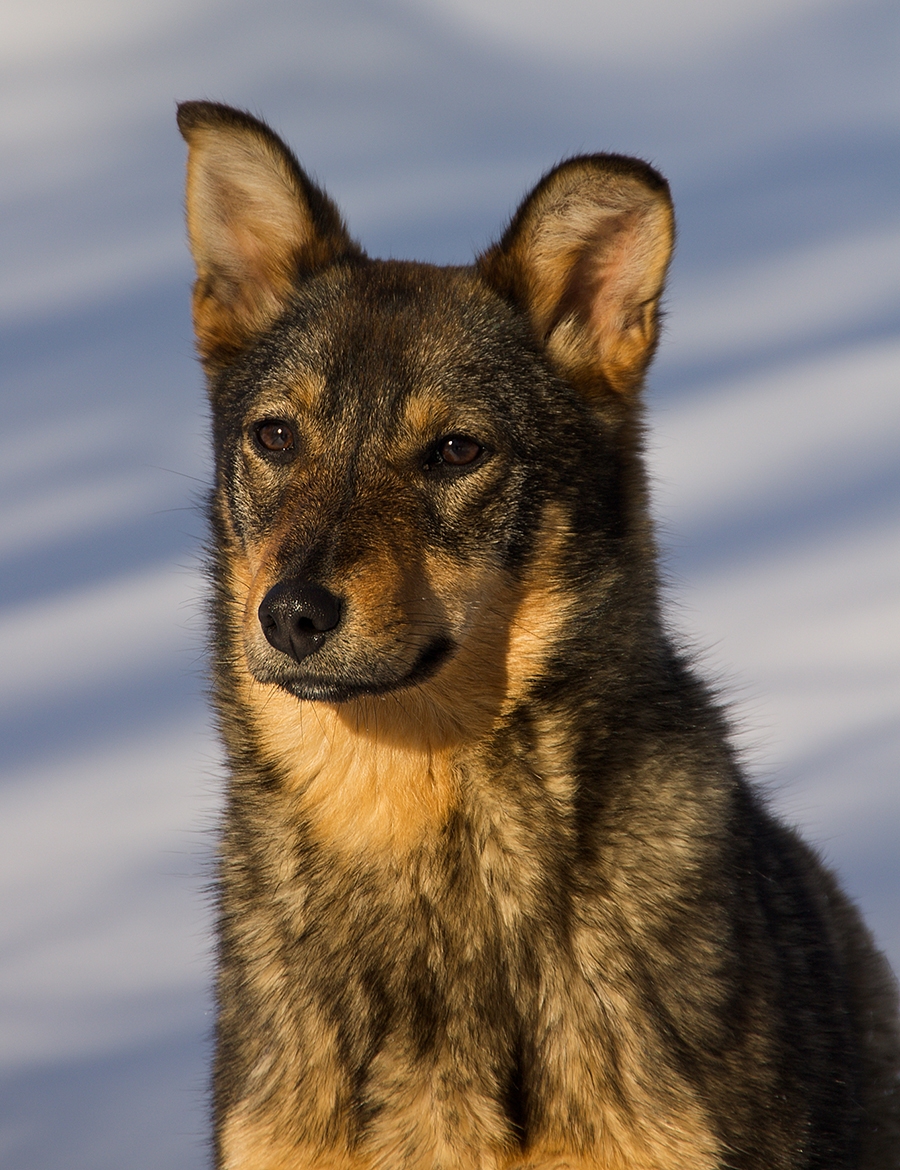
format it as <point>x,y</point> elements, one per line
<point>256,225</point>
<point>585,258</point>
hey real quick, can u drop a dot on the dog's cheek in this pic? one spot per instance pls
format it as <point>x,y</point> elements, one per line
<point>476,523</point>
<point>252,501</point>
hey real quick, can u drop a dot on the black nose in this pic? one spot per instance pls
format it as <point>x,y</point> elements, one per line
<point>297,616</point>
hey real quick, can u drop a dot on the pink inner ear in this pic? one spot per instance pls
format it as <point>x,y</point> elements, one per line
<point>248,224</point>
<point>605,318</point>
<point>625,272</point>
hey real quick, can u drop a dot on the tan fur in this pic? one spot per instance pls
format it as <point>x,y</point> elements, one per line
<point>634,1125</point>
<point>250,1144</point>
<point>381,773</point>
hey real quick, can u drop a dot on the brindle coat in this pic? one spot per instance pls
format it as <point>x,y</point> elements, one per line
<point>493,891</point>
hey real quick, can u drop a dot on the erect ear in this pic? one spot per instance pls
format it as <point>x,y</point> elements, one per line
<point>256,223</point>
<point>585,256</point>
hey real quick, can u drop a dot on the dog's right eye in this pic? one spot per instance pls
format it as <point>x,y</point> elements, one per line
<point>275,436</point>
<point>454,454</point>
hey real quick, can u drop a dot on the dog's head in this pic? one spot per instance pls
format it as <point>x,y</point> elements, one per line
<point>404,451</point>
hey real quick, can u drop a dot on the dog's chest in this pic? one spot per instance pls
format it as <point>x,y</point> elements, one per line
<point>434,1017</point>
<point>432,1007</point>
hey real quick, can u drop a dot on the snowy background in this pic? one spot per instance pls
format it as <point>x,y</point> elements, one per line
<point>775,437</point>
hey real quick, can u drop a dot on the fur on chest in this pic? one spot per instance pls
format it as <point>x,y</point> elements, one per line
<point>465,997</point>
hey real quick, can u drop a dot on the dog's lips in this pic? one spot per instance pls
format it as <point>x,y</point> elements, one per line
<point>306,684</point>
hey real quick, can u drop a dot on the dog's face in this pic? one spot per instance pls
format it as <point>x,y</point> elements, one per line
<point>380,480</point>
<point>400,446</point>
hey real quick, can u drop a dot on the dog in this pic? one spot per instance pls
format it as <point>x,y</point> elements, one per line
<point>493,892</point>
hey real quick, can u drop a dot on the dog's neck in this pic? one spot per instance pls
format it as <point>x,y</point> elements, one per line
<point>380,777</point>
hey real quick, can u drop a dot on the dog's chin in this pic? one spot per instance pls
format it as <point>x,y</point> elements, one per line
<point>303,682</point>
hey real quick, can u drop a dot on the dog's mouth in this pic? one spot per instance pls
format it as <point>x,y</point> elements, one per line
<point>306,684</point>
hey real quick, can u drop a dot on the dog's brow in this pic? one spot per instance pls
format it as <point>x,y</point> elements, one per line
<point>304,389</point>
<point>426,410</point>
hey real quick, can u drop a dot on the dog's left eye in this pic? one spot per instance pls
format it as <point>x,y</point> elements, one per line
<point>455,452</point>
<point>275,435</point>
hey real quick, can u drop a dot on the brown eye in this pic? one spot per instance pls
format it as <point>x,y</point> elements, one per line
<point>275,435</point>
<point>459,451</point>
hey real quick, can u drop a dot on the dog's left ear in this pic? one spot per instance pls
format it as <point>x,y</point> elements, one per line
<point>585,257</point>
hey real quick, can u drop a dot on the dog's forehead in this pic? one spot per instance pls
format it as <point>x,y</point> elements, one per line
<point>396,333</point>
